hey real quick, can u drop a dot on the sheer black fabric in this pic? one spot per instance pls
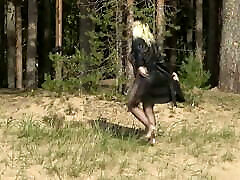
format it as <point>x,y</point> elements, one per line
<point>159,87</point>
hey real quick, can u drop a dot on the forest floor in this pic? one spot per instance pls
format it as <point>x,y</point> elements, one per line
<point>46,136</point>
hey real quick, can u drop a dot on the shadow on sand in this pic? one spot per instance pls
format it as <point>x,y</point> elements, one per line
<point>116,130</point>
<point>11,91</point>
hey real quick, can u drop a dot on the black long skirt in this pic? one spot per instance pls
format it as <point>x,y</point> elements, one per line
<point>154,89</point>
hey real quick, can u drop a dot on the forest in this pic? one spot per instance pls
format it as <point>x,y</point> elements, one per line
<point>75,44</point>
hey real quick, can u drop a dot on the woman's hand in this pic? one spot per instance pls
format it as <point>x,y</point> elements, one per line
<point>143,71</point>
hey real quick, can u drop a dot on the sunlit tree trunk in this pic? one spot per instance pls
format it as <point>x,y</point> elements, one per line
<point>58,36</point>
<point>128,66</point>
<point>18,25</point>
<point>32,45</point>
<point>11,44</point>
<point>230,47</point>
<point>119,44</point>
<point>160,22</point>
<point>199,29</point>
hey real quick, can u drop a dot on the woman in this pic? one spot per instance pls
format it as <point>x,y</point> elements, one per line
<point>153,84</point>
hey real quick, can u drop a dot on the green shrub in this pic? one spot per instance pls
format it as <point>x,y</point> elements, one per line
<point>193,77</point>
<point>192,73</point>
<point>80,71</point>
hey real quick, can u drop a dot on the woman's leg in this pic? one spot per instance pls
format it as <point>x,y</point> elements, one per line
<point>134,98</point>
<point>140,115</point>
<point>149,113</point>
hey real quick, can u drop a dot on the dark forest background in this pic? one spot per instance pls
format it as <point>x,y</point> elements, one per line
<point>69,45</point>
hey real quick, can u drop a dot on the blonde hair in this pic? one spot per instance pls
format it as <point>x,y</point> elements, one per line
<point>140,30</point>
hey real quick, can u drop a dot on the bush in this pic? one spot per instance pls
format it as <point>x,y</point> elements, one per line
<point>192,73</point>
<point>193,77</point>
<point>80,71</point>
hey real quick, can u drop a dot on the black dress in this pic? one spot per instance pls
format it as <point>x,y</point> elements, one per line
<point>159,87</point>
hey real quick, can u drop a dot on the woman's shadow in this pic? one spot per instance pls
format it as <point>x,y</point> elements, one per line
<point>116,130</point>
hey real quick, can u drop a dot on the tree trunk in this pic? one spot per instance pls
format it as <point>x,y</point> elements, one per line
<point>128,66</point>
<point>3,64</point>
<point>11,44</point>
<point>119,45</point>
<point>59,36</point>
<point>199,29</point>
<point>32,45</point>
<point>85,25</point>
<point>190,29</point>
<point>160,21</point>
<point>44,39</point>
<point>18,26</point>
<point>173,40</point>
<point>230,47</point>
<point>212,62</point>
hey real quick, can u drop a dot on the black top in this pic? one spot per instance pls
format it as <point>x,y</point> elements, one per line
<point>143,55</point>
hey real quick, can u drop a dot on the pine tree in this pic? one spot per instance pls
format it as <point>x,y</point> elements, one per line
<point>230,47</point>
<point>58,37</point>
<point>128,66</point>
<point>212,49</point>
<point>45,39</point>
<point>18,25</point>
<point>11,44</point>
<point>160,21</point>
<point>32,45</point>
<point>199,29</point>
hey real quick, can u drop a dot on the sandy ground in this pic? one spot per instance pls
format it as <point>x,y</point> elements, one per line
<point>85,108</point>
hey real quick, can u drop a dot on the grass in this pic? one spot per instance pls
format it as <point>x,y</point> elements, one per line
<point>197,141</point>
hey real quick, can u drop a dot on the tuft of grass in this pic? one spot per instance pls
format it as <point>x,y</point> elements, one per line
<point>54,120</point>
<point>228,156</point>
<point>70,110</point>
<point>123,165</point>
